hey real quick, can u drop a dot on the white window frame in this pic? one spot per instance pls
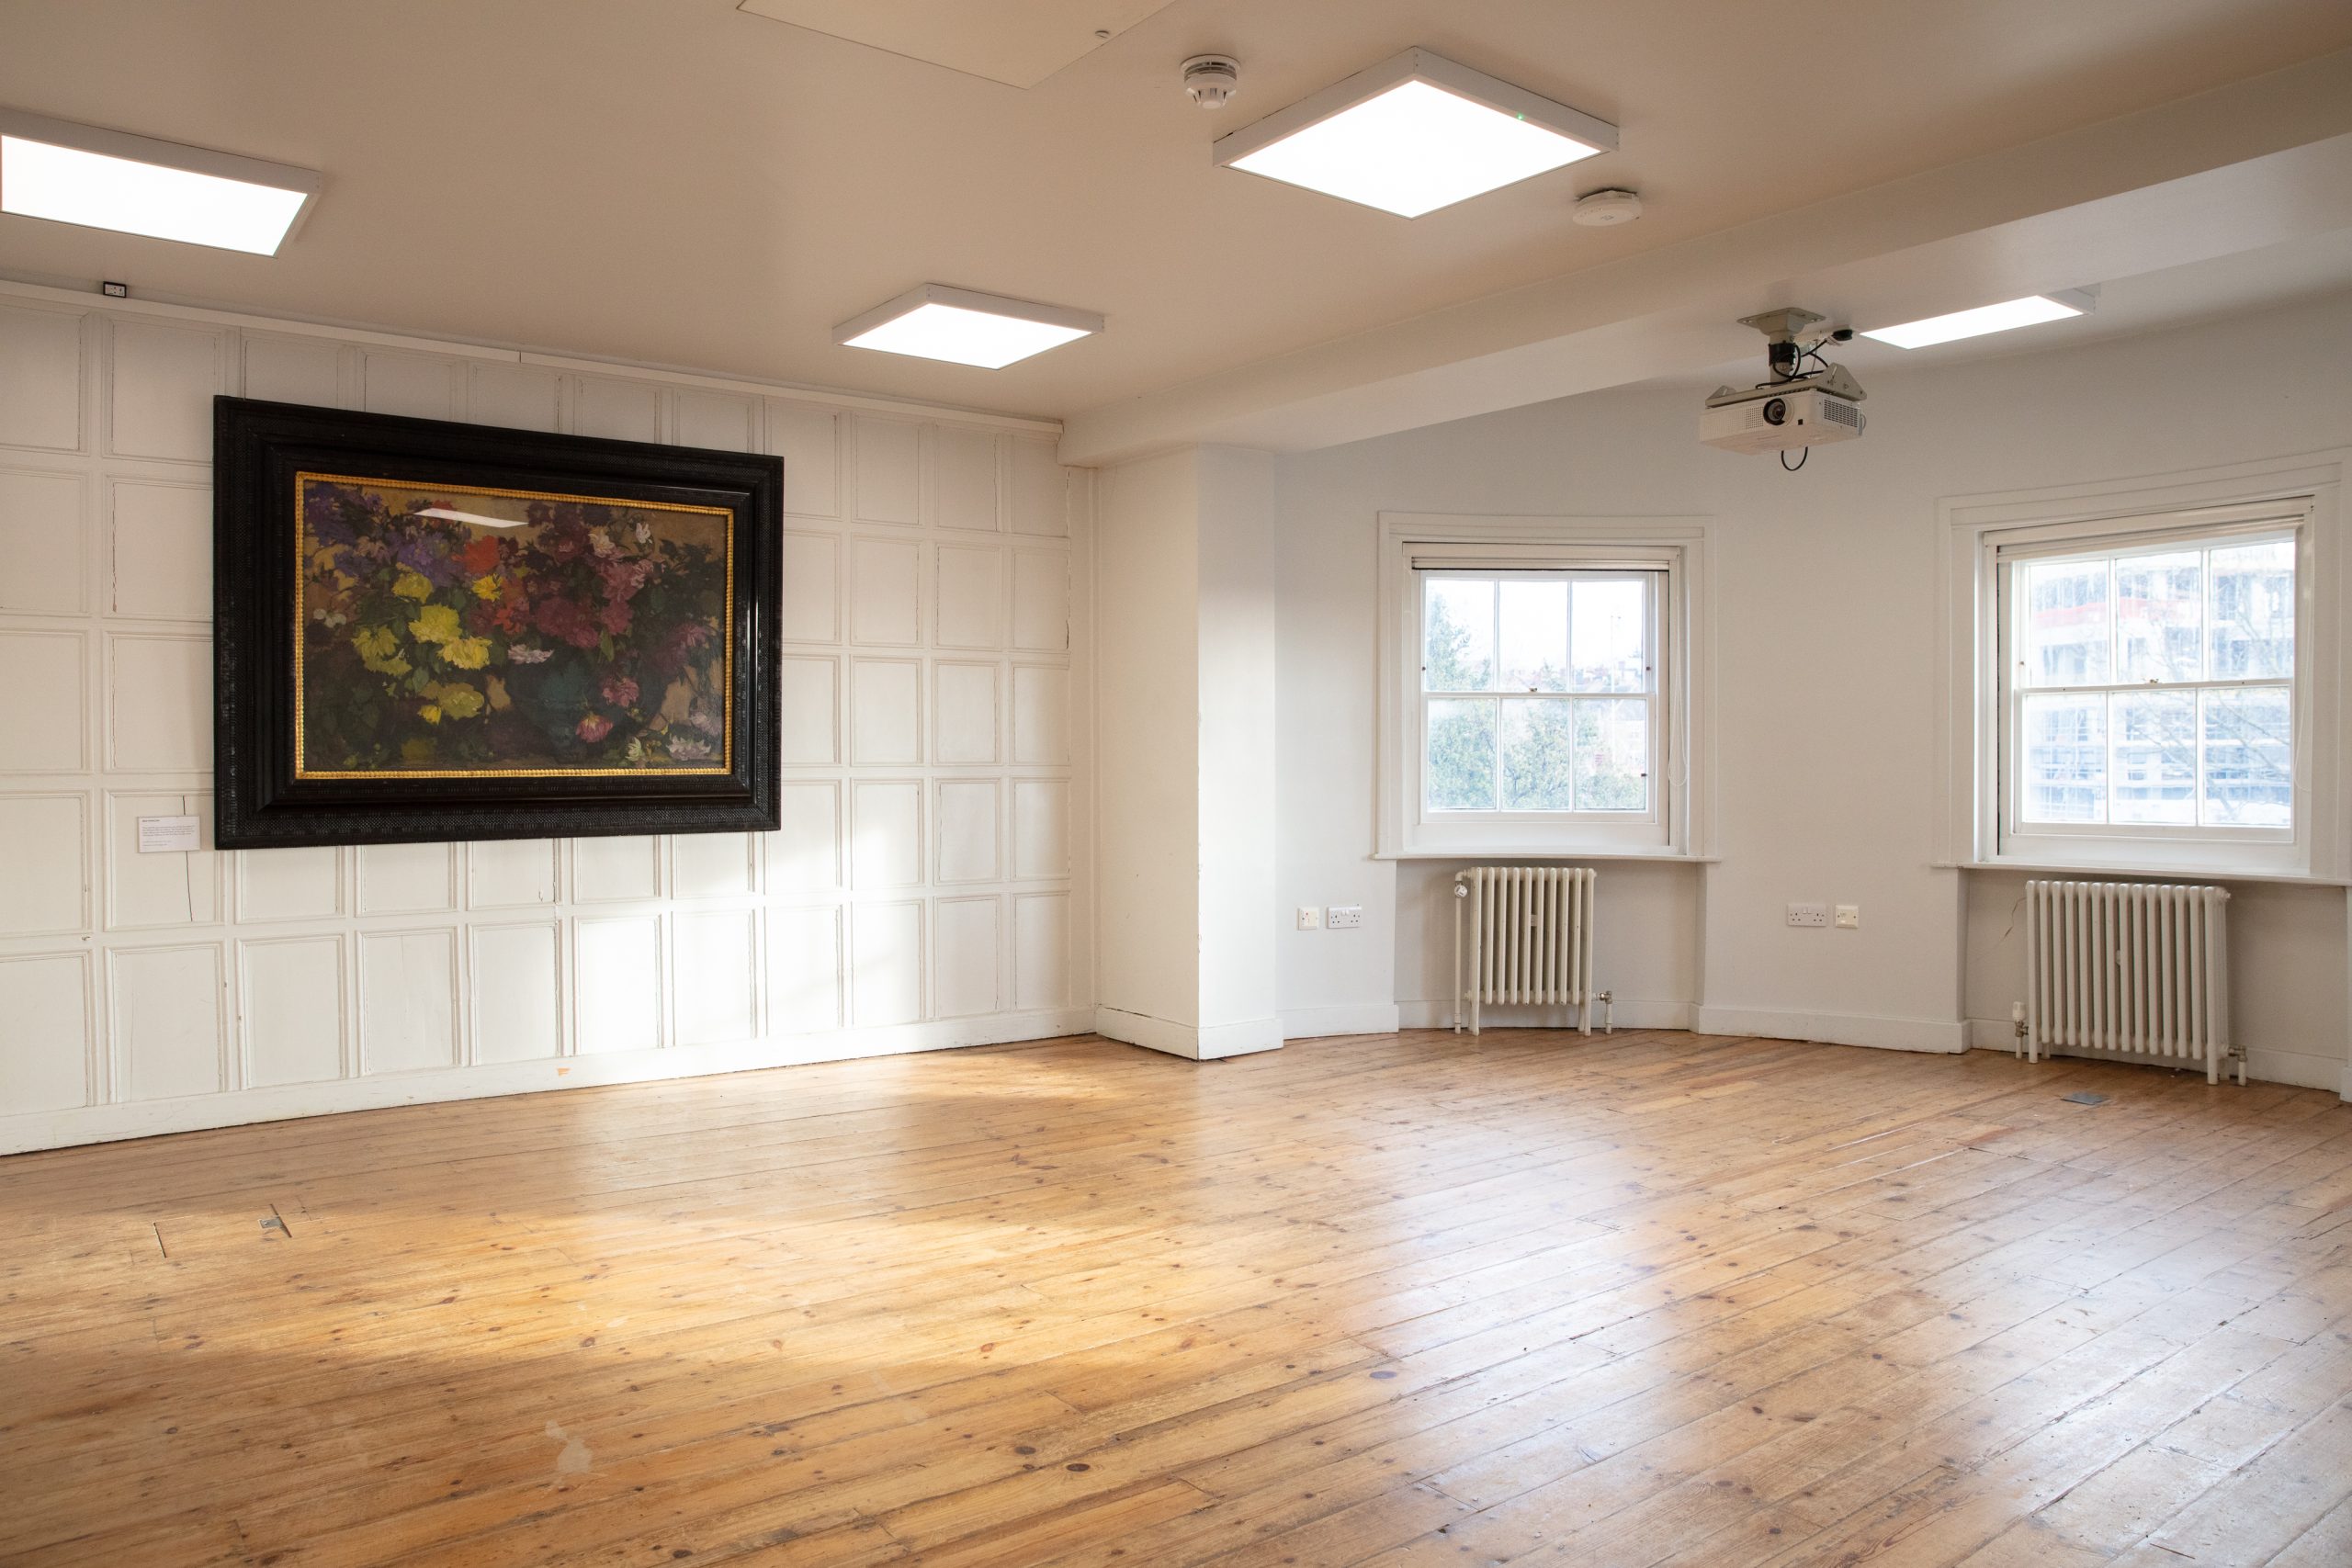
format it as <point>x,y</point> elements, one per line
<point>1672,553</point>
<point>1984,535</point>
<point>2121,539</point>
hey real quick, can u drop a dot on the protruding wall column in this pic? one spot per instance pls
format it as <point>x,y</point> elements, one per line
<point>1186,724</point>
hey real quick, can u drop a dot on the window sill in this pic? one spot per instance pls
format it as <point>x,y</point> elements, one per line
<point>1494,857</point>
<point>2171,874</point>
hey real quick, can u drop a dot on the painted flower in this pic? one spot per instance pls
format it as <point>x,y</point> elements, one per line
<point>460,700</point>
<point>411,585</point>
<point>482,554</point>
<point>623,578</point>
<point>486,587</point>
<point>564,619</point>
<point>593,727</point>
<point>619,690</point>
<point>323,517</point>
<point>379,650</point>
<point>674,651</point>
<point>530,654</point>
<point>429,555</point>
<point>686,750</point>
<point>434,623</point>
<point>466,652</point>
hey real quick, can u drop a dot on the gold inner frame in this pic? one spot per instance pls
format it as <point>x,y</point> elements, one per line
<point>726,764</point>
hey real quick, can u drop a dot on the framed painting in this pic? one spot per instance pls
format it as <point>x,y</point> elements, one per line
<point>427,631</point>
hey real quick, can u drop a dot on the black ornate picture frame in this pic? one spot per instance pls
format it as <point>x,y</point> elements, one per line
<point>427,631</point>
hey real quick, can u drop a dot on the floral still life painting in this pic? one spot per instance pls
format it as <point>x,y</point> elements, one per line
<point>430,632</point>
<point>454,631</point>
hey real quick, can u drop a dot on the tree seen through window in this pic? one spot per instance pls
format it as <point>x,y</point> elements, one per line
<point>1537,691</point>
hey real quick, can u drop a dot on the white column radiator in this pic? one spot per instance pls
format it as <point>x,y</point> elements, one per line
<point>1530,938</point>
<point>2128,966</point>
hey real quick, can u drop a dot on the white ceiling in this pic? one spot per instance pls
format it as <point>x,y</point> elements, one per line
<point>1017,42</point>
<point>2314,267</point>
<point>683,183</point>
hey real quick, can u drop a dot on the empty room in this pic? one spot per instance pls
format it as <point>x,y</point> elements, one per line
<point>1149,783</point>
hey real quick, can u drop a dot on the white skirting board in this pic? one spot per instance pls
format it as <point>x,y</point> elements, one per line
<point>1628,1013</point>
<point>1200,1043</point>
<point>109,1124</point>
<point>1313,1023</point>
<point>1655,1012</point>
<point>1930,1035</point>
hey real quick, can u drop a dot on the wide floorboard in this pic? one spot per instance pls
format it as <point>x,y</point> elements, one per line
<point>1654,1299</point>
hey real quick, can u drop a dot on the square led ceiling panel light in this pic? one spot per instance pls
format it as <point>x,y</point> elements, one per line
<point>1414,134</point>
<point>136,184</point>
<point>962,327</point>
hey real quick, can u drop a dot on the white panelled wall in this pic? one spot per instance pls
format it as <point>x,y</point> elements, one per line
<point>929,887</point>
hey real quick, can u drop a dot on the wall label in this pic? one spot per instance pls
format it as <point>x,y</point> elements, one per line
<point>164,835</point>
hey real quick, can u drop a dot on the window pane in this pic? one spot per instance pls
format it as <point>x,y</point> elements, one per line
<point>2065,760</point>
<point>1461,764</point>
<point>1613,755</point>
<point>2250,611</point>
<point>1458,636</point>
<point>2249,766</point>
<point>2156,754</point>
<point>1539,761</point>
<point>2159,601</point>
<point>1611,630</point>
<point>2062,634</point>
<point>1536,635</point>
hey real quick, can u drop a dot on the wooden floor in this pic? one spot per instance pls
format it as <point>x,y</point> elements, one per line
<point>1530,1299</point>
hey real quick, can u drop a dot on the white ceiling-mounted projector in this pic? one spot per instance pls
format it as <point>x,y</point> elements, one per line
<point>1797,407</point>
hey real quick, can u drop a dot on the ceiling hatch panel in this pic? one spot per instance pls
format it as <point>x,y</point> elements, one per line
<point>1019,42</point>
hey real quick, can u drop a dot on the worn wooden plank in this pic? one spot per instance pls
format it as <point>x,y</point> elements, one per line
<point>1652,1298</point>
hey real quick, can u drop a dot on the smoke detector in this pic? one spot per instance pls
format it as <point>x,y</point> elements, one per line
<point>1606,209</point>
<point>1211,80</point>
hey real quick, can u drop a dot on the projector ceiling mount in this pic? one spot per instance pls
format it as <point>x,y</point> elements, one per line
<point>1806,401</point>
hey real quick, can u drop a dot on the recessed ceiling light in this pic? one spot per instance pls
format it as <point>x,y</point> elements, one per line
<point>2031,310</point>
<point>135,185</point>
<point>1414,134</point>
<point>935,322</point>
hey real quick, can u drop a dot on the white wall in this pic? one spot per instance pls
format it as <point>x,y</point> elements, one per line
<point>1239,795</point>
<point>1646,953</point>
<point>929,886</point>
<point>1145,583</point>
<point>1825,686</point>
<point>2287,974</point>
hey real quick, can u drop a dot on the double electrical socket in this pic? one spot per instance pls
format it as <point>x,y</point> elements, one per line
<point>1344,916</point>
<point>1816,916</point>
